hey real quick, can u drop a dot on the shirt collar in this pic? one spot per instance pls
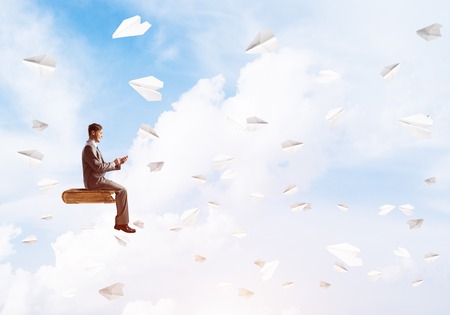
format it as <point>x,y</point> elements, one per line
<point>93,142</point>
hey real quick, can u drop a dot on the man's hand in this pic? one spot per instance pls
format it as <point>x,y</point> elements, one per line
<point>121,160</point>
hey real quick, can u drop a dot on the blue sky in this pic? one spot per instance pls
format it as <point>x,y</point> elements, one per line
<point>365,160</point>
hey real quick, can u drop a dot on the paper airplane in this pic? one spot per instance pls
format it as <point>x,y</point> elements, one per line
<point>259,262</point>
<point>390,71</point>
<point>326,76</point>
<point>131,27</point>
<point>342,207</point>
<point>223,286</point>
<point>347,253</point>
<point>333,115</point>
<point>256,196</point>
<point>176,228</point>
<point>32,156</point>
<point>407,209</point>
<point>401,252</point>
<point>264,42</point>
<point>254,122</point>
<point>431,257</point>
<point>113,291</point>
<point>418,125</point>
<point>47,183</point>
<point>220,161</point>
<point>287,284</point>
<point>239,233</point>
<point>148,87</point>
<point>416,283</point>
<point>228,174</point>
<point>268,270</point>
<point>385,209</point>
<point>340,267</point>
<point>200,178</point>
<point>324,284</point>
<point>39,125</point>
<point>290,190</point>
<point>155,166</point>
<point>47,217</point>
<point>31,239</point>
<point>374,275</point>
<point>245,293</point>
<point>431,180</point>
<point>189,217</point>
<point>415,224</point>
<point>430,32</point>
<point>122,240</point>
<point>200,259</point>
<point>44,65</point>
<point>146,131</point>
<point>213,204</point>
<point>298,206</point>
<point>139,224</point>
<point>291,146</point>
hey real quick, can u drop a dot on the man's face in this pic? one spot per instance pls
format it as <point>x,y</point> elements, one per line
<point>97,135</point>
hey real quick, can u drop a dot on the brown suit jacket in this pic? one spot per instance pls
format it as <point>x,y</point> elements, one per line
<point>94,167</point>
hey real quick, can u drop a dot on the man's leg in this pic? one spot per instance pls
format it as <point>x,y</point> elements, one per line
<point>122,217</point>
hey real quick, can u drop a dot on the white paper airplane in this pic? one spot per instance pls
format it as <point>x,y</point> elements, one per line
<point>347,253</point>
<point>245,293</point>
<point>44,65</point>
<point>324,284</point>
<point>268,270</point>
<point>31,239</point>
<point>430,32</point>
<point>264,42</point>
<point>333,115</point>
<point>113,291</point>
<point>290,190</point>
<point>402,252</point>
<point>155,166</point>
<point>416,283</point>
<point>47,183</point>
<point>298,206</point>
<point>199,258</point>
<point>340,267</point>
<point>139,224</point>
<point>220,161</point>
<point>291,146</point>
<point>342,207</point>
<point>326,76</point>
<point>189,217</point>
<point>39,125</point>
<point>131,27</point>
<point>431,180</point>
<point>418,125</point>
<point>407,209</point>
<point>390,71</point>
<point>33,157</point>
<point>415,224</point>
<point>385,209</point>
<point>148,87</point>
<point>431,257</point>
<point>374,275</point>
<point>146,131</point>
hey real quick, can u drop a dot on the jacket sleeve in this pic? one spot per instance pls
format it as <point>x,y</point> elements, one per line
<point>95,163</point>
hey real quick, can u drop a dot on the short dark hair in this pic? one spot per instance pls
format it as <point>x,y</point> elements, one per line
<point>94,127</point>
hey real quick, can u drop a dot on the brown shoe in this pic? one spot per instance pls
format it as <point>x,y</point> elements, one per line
<point>124,228</point>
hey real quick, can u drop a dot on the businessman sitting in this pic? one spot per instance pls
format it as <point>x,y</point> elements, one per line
<point>94,169</point>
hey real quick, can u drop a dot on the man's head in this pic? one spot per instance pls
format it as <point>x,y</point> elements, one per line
<point>95,132</point>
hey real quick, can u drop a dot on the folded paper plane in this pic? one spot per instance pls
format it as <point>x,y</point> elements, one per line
<point>418,125</point>
<point>47,183</point>
<point>401,252</point>
<point>254,123</point>
<point>264,42</point>
<point>415,224</point>
<point>390,71</point>
<point>268,270</point>
<point>342,207</point>
<point>290,190</point>
<point>385,209</point>
<point>256,196</point>
<point>431,180</point>
<point>148,87</point>
<point>200,259</point>
<point>113,291</point>
<point>333,115</point>
<point>239,233</point>
<point>347,253</point>
<point>47,217</point>
<point>407,209</point>
<point>139,224</point>
<point>122,240</point>
<point>31,239</point>
<point>291,146</point>
<point>155,166</point>
<point>416,283</point>
<point>288,284</point>
<point>259,262</point>
<point>33,157</point>
<point>146,131</point>
<point>298,206</point>
<point>430,32</point>
<point>374,275</point>
<point>39,125</point>
<point>220,161</point>
<point>431,257</point>
<point>245,293</point>
<point>131,27</point>
<point>326,76</point>
<point>340,267</point>
<point>324,284</point>
<point>44,65</point>
<point>200,178</point>
<point>189,217</point>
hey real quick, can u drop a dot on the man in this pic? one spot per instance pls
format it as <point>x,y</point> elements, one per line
<point>94,169</point>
